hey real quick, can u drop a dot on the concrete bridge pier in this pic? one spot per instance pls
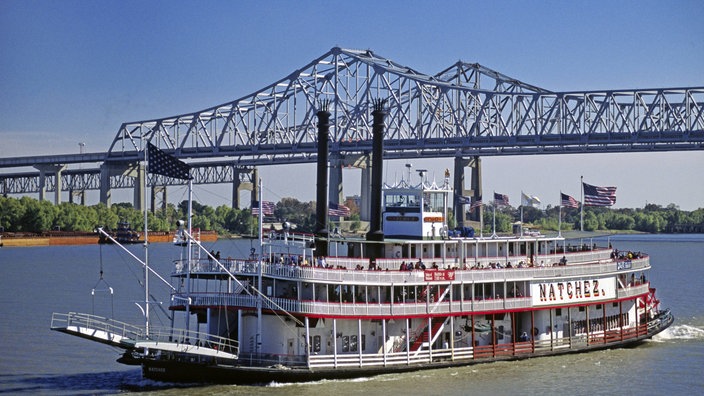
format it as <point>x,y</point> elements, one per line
<point>56,170</point>
<point>366,189</point>
<point>139,173</point>
<point>475,191</point>
<point>158,198</point>
<point>239,185</point>
<point>81,194</point>
<point>134,170</point>
<point>335,193</point>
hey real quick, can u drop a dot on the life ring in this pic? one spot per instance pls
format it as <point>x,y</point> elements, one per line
<point>398,254</point>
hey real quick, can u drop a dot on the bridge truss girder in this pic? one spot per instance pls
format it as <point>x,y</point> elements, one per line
<point>439,115</point>
<point>89,179</point>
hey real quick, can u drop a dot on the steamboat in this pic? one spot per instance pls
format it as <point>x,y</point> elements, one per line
<point>410,295</point>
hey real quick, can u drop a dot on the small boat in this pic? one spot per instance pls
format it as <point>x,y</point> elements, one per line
<point>412,295</point>
<point>123,235</point>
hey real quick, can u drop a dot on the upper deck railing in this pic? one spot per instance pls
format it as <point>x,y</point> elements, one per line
<point>578,264</point>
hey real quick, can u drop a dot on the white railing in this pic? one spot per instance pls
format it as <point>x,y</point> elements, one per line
<point>479,353</point>
<point>359,309</point>
<point>125,335</point>
<point>634,290</point>
<point>110,329</point>
<point>332,275</point>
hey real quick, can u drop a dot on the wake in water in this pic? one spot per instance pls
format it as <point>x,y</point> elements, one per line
<point>275,384</point>
<point>680,332</point>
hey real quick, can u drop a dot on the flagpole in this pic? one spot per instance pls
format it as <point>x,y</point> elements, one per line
<point>493,226</point>
<point>522,213</point>
<point>481,220</point>
<point>559,218</point>
<point>258,337</point>
<point>581,213</point>
<point>188,254</point>
<point>143,202</point>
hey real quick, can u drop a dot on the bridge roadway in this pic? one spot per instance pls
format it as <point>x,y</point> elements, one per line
<point>465,112</point>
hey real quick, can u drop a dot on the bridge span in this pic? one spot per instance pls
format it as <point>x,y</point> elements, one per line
<point>466,112</point>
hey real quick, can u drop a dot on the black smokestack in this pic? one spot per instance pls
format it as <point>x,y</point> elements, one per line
<point>321,196</point>
<point>375,231</point>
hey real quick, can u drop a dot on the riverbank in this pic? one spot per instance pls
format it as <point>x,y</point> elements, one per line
<point>65,238</point>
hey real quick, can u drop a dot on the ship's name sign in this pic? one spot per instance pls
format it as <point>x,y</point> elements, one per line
<point>573,291</point>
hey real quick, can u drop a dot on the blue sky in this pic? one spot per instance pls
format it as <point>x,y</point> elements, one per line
<point>73,71</point>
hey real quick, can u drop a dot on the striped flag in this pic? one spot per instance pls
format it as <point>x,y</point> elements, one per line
<point>338,210</point>
<point>164,164</point>
<point>568,201</point>
<point>268,208</point>
<point>475,204</point>
<point>500,199</point>
<point>462,200</point>
<point>599,196</point>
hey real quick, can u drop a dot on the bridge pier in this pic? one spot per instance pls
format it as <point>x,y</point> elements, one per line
<point>238,185</point>
<point>366,190</point>
<point>134,170</point>
<point>81,194</point>
<point>156,192</point>
<point>335,193</point>
<point>139,173</point>
<point>475,190</point>
<point>56,169</point>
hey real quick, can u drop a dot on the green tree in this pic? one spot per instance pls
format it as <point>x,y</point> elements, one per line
<point>39,216</point>
<point>105,217</point>
<point>11,214</point>
<point>591,223</point>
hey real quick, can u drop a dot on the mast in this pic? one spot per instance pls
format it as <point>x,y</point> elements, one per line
<point>258,339</point>
<point>581,213</point>
<point>188,254</point>
<point>146,245</point>
<point>559,217</point>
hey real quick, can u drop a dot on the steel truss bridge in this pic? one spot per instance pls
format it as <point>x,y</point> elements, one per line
<point>464,111</point>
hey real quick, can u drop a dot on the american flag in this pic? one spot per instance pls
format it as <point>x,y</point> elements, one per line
<point>267,205</point>
<point>568,201</point>
<point>462,200</point>
<point>500,199</point>
<point>338,210</point>
<point>599,196</point>
<point>475,204</point>
<point>162,163</point>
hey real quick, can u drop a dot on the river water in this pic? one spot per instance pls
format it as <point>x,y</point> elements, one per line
<point>37,281</point>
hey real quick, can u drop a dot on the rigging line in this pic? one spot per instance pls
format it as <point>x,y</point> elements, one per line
<point>209,191</point>
<point>139,280</point>
<point>107,289</point>
<point>129,267</point>
<point>161,307</point>
<point>262,295</point>
<point>137,258</point>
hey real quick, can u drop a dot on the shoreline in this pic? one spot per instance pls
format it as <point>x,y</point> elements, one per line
<point>84,238</point>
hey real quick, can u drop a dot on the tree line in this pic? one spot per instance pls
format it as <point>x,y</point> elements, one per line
<point>652,219</point>
<point>33,216</point>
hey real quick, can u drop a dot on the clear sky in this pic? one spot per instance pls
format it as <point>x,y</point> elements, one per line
<point>73,71</point>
